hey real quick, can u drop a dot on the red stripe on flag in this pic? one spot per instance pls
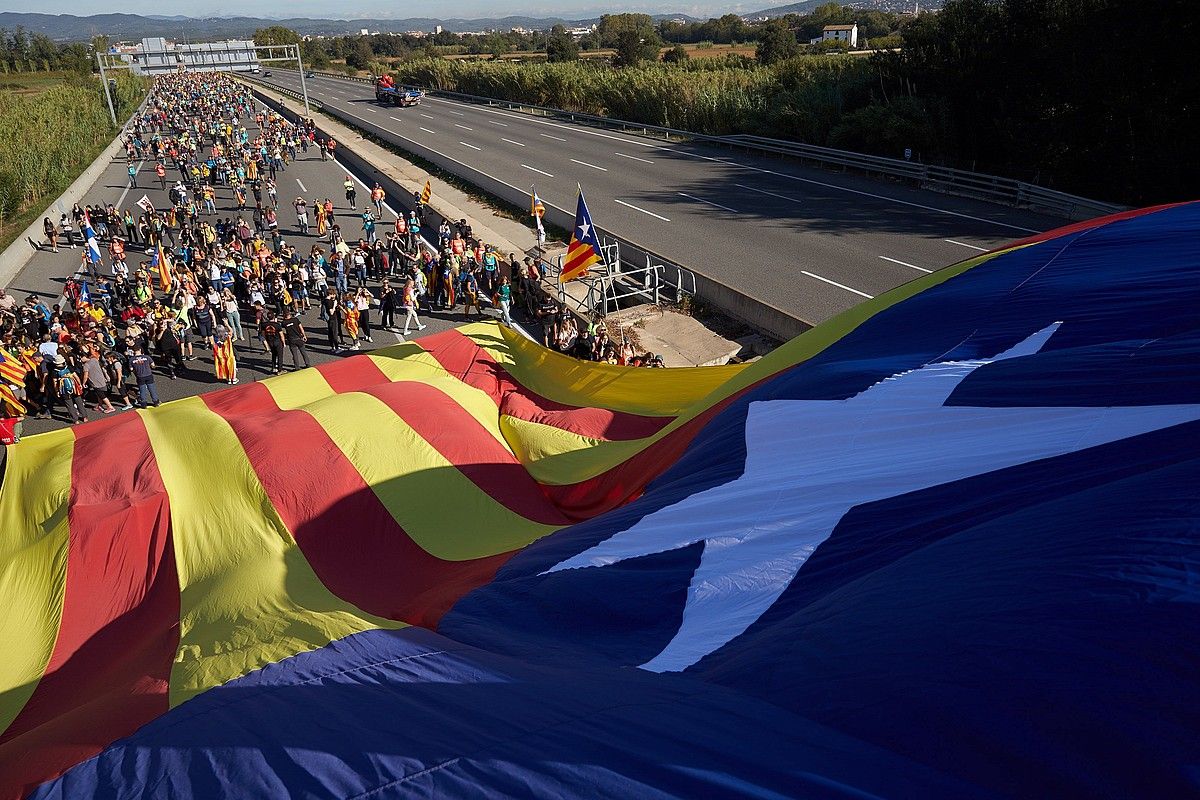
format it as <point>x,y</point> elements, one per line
<point>348,536</point>
<point>453,432</point>
<point>108,673</point>
<point>462,441</point>
<point>462,357</point>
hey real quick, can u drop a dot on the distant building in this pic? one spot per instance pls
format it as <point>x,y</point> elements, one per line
<point>437,29</point>
<point>156,56</point>
<point>839,33</point>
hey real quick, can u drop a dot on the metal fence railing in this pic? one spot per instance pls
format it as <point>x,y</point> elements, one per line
<point>994,188</point>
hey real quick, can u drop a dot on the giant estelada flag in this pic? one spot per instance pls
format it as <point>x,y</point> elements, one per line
<point>944,545</point>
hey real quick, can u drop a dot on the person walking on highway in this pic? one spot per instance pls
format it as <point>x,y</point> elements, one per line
<point>301,206</point>
<point>409,302</point>
<point>351,193</point>
<point>504,300</point>
<point>161,172</point>
<point>377,195</point>
<point>132,175</point>
<point>51,234</point>
<point>295,337</point>
<point>362,304</point>
<point>271,332</point>
<point>331,312</point>
<point>142,367</point>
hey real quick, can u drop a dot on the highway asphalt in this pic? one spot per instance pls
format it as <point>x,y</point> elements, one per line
<point>46,272</point>
<point>808,241</point>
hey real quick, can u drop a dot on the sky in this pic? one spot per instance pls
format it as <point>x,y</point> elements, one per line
<point>381,9</point>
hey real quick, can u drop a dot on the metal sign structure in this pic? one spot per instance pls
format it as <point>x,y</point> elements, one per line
<point>208,59</point>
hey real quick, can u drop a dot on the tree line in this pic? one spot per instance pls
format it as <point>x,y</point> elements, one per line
<point>21,51</point>
<point>1077,95</point>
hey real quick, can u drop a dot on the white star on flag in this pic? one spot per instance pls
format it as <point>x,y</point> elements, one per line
<point>808,462</point>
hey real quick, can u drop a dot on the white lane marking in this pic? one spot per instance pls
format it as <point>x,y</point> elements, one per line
<point>964,244</point>
<point>302,186</point>
<point>905,264</point>
<point>634,158</point>
<point>835,283</point>
<point>456,113</point>
<point>586,164</point>
<point>426,116</point>
<point>473,147</point>
<point>535,169</point>
<point>501,124</point>
<point>708,202</point>
<point>124,194</point>
<point>555,138</point>
<point>644,211</point>
<point>532,120</point>
<point>510,141</point>
<point>854,191</point>
<point>397,119</point>
<point>373,111</point>
<point>764,191</point>
<point>429,131</point>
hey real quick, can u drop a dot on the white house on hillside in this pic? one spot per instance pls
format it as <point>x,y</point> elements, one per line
<point>843,33</point>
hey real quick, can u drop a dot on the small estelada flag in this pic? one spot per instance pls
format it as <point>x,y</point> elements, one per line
<point>427,192</point>
<point>536,207</point>
<point>583,249</point>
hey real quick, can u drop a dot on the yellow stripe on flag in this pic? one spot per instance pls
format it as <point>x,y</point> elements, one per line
<point>33,562</point>
<point>440,508</point>
<point>249,597</point>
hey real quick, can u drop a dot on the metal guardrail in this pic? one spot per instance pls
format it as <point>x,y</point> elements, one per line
<point>949,180</point>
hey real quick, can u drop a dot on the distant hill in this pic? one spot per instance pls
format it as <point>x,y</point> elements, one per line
<point>808,6</point>
<point>68,27</point>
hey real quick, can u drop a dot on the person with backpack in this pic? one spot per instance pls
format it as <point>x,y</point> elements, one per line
<point>68,387</point>
<point>409,302</point>
<point>142,367</point>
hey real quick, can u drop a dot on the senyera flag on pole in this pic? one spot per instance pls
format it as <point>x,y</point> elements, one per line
<point>160,262</point>
<point>427,192</point>
<point>537,210</point>
<point>583,249</point>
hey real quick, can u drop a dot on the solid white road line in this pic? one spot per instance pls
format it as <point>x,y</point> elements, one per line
<point>905,264</point>
<point>586,164</point>
<point>555,138</point>
<point>464,127</point>
<point>634,158</point>
<point>764,191</point>
<point>964,244</point>
<point>429,131</point>
<point>510,141</point>
<point>856,191</point>
<point>535,121</point>
<point>302,187</point>
<point>535,169</point>
<point>501,124</point>
<point>473,147</point>
<point>708,202</point>
<point>835,283</point>
<point>644,211</point>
